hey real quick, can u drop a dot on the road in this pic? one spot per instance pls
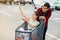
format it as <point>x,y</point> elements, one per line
<point>10,19</point>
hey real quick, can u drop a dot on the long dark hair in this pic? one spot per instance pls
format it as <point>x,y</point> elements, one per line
<point>37,14</point>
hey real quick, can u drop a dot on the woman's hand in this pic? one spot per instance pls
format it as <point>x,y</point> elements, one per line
<point>22,12</point>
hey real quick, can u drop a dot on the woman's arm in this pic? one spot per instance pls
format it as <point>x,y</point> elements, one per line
<point>22,13</point>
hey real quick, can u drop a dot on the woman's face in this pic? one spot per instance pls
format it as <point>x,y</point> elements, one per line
<point>34,16</point>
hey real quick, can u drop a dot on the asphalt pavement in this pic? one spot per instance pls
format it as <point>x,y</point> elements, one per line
<point>10,19</point>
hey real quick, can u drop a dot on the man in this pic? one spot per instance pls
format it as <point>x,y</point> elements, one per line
<point>44,12</point>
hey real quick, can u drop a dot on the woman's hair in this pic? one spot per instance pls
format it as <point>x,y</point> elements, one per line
<point>37,14</point>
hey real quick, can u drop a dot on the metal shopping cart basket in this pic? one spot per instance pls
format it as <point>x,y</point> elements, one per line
<point>37,31</point>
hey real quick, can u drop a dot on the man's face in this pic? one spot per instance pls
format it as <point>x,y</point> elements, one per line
<point>44,8</point>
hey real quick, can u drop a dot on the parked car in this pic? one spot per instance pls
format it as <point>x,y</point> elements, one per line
<point>39,3</point>
<point>3,1</point>
<point>57,5</point>
<point>28,1</point>
<point>52,5</point>
<point>9,1</point>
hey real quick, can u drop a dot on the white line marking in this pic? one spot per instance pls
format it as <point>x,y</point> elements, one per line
<point>6,13</point>
<point>52,36</point>
<point>55,18</point>
<point>58,39</point>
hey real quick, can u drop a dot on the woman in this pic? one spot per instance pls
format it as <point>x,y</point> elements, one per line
<point>32,22</point>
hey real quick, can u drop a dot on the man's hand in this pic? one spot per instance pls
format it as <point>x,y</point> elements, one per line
<point>42,17</point>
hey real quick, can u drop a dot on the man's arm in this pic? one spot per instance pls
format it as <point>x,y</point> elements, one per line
<point>49,14</point>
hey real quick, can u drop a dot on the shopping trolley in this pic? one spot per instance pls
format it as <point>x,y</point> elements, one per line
<point>38,31</point>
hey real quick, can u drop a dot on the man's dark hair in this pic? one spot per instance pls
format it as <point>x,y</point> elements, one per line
<point>47,5</point>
